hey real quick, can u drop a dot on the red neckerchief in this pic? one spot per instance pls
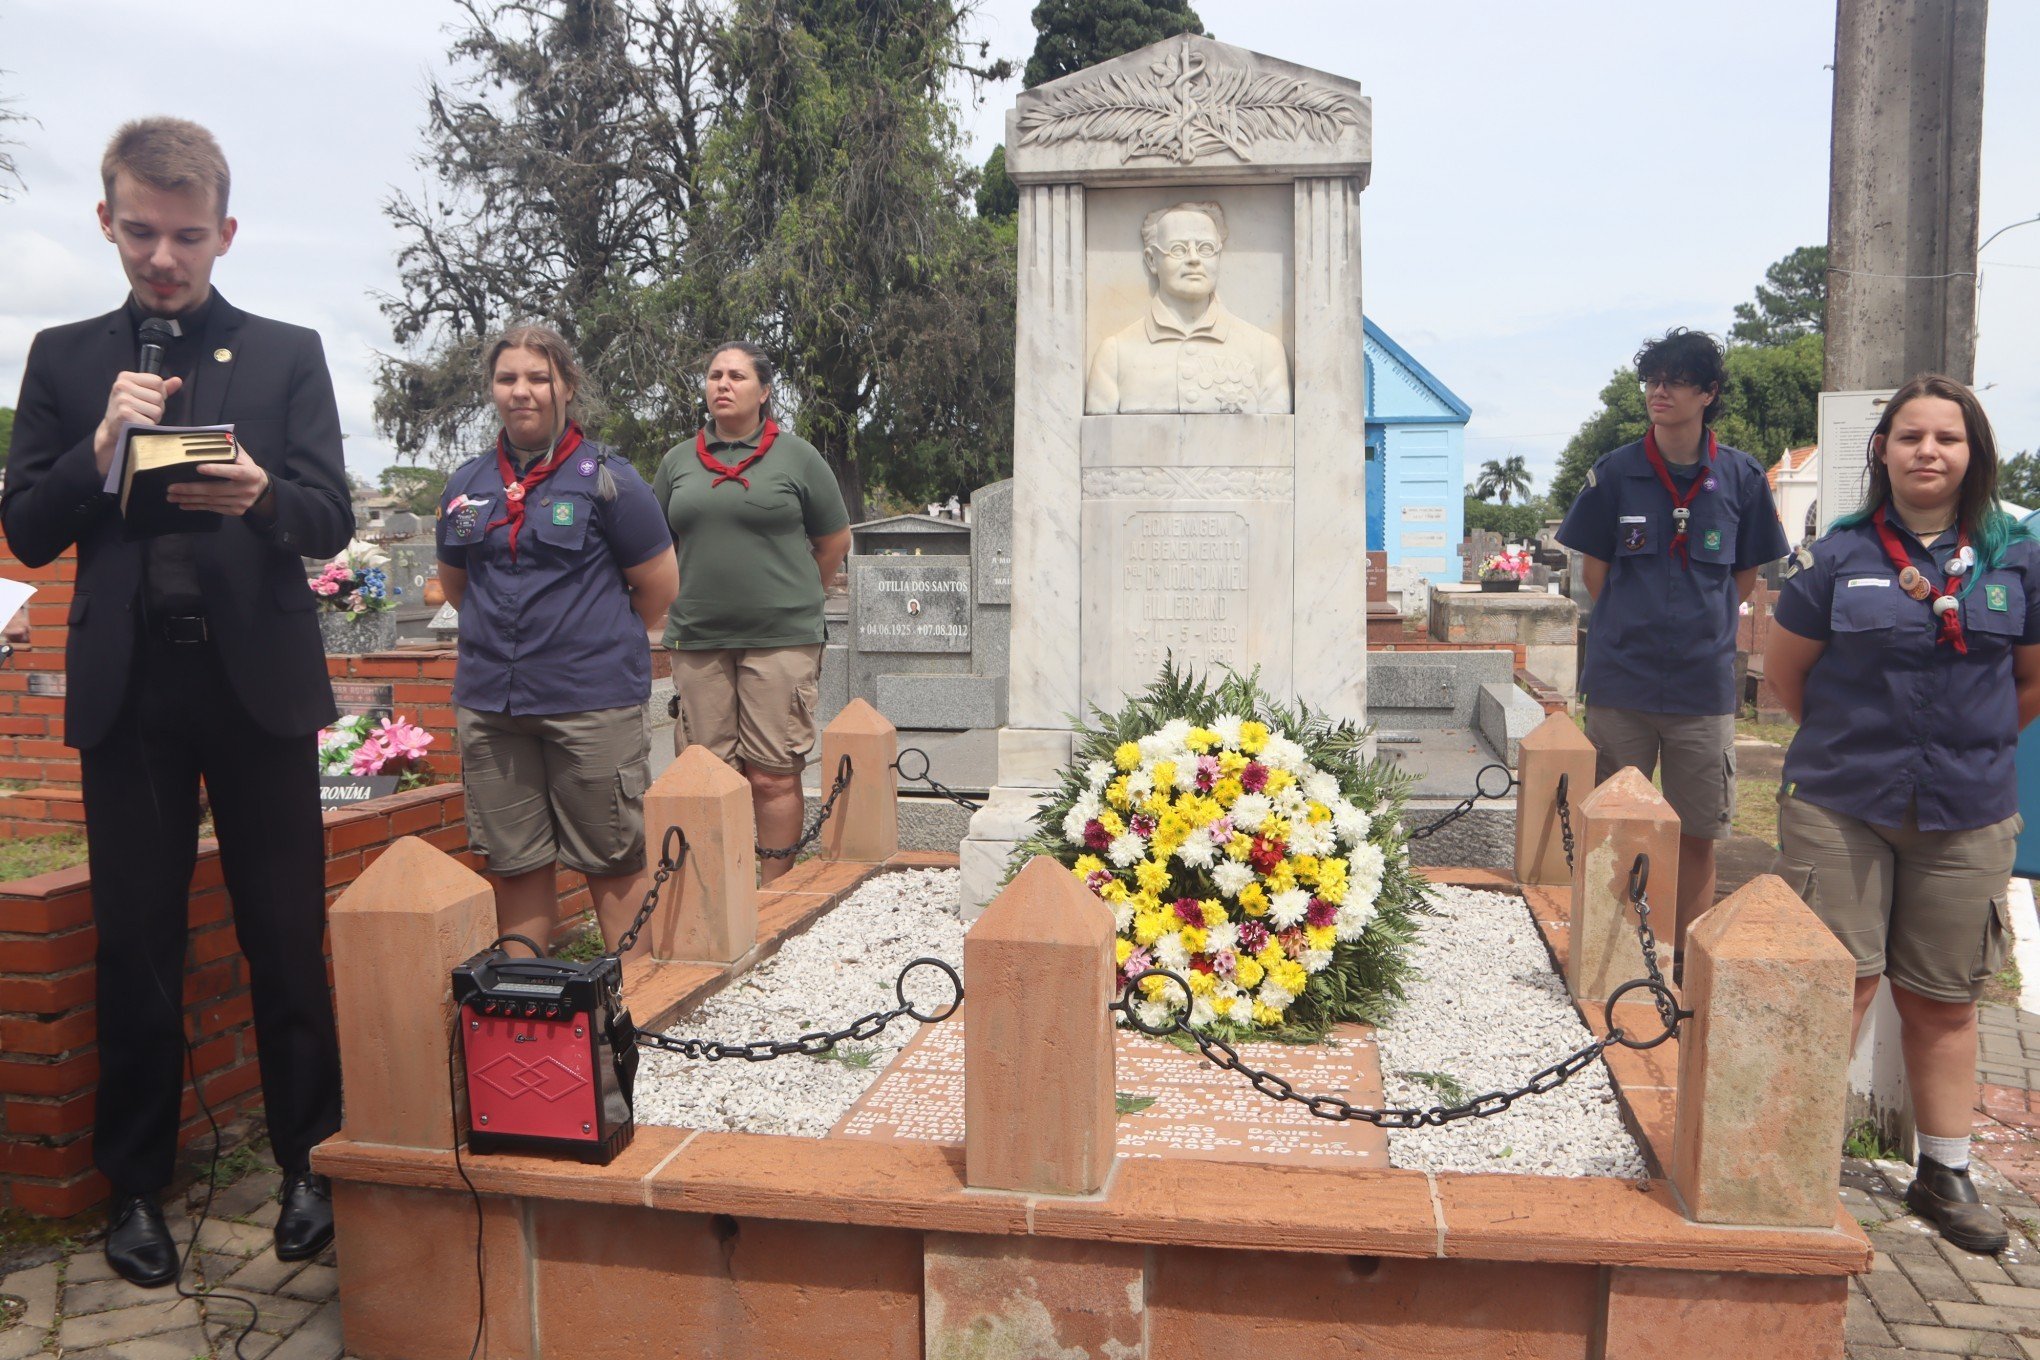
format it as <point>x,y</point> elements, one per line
<point>1680,513</point>
<point>516,488</point>
<point>724,472</point>
<point>1950,618</point>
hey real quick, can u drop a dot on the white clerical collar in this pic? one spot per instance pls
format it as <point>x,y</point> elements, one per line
<point>1163,325</point>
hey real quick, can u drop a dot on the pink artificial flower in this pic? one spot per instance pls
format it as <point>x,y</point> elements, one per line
<point>369,758</point>
<point>326,586</point>
<point>355,603</point>
<point>404,740</point>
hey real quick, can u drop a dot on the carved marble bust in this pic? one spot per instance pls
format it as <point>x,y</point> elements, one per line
<point>1188,354</point>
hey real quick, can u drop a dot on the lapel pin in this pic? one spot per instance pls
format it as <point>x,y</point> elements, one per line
<point>223,355</point>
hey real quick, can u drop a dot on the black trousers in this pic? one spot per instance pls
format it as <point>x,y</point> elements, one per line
<point>182,722</point>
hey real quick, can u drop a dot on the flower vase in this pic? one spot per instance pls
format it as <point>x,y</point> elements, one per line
<point>374,631</point>
<point>1499,583</point>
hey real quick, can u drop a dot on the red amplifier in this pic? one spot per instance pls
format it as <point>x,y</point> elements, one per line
<point>550,1054</point>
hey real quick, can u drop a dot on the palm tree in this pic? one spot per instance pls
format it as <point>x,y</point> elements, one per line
<point>1502,479</point>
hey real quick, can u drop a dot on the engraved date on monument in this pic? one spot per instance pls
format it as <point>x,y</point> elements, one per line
<point>1183,587</point>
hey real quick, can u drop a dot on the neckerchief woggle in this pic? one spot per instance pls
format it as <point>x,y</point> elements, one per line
<point>1947,606</point>
<point>1680,513</point>
<point>516,488</point>
<point>723,471</point>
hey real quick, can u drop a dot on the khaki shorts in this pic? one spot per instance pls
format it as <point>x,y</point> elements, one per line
<point>1926,907</point>
<point>1698,754</point>
<point>755,705</point>
<point>565,788</point>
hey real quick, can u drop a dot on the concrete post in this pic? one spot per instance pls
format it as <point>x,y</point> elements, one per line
<point>1763,1063</point>
<point>1037,1041</point>
<point>1554,749</point>
<point>1623,818</point>
<point>397,933</point>
<point>1903,182</point>
<point>710,910</point>
<point>866,823</point>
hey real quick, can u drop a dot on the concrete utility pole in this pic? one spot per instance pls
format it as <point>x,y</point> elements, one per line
<point>1902,191</point>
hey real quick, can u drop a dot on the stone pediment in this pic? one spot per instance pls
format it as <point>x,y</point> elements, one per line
<point>1188,107</point>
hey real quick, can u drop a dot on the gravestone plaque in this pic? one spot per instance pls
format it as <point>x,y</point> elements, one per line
<point>991,543</point>
<point>362,696</point>
<point>1476,548</point>
<point>47,684</point>
<point>910,604</point>
<point>1377,578</point>
<point>411,566</point>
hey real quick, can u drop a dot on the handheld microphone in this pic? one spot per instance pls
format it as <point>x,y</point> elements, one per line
<point>155,334</point>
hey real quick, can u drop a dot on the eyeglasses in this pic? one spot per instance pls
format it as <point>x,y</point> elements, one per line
<point>1673,386</point>
<point>1205,250</point>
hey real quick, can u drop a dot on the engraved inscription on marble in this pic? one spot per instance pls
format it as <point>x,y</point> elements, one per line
<point>1423,514</point>
<point>1433,538</point>
<point>910,604</point>
<point>1183,587</point>
<point>1189,483</point>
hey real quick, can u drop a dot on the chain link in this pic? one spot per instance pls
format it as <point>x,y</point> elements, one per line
<point>819,1042</point>
<point>935,786</point>
<point>670,860</point>
<point>1223,1055</point>
<point>814,829</point>
<point>1466,804</point>
<point>1565,819</point>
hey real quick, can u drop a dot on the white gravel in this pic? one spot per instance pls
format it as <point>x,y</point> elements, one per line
<point>1488,1011</point>
<point>842,968</point>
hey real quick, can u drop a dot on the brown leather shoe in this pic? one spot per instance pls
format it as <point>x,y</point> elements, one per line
<point>1947,1199</point>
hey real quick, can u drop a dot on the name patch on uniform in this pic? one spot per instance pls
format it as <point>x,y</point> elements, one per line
<point>1869,581</point>
<point>1996,598</point>
<point>563,512</point>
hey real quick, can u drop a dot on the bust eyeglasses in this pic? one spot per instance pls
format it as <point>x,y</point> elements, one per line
<point>1183,250</point>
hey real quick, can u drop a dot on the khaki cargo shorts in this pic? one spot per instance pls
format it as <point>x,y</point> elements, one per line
<point>1698,754</point>
<point>565,788</point>
<point>755,705</point>
<point>1926,907</point>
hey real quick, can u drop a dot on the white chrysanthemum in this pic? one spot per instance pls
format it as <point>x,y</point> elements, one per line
<point>1224,994</point>
<point>1090,804</point>
<point>1274,995</point>
<point>1122,916</point>
<point>1099,773</point>
<point>1197,851</point>
<point>1350,822</point>
<point>1316,960</point>
<point>1249,810</point>
<point>1287,907</point>
<point>1282,754</point>
<point>1291,803</point>
<point>1228,729</point>
<point>1231,875</point>
<point>1312,838</point>
<point>1126,850</point>
<point>1202,1012</point>
<point>1073,826</point>
<point>1157,1014</point>
<point>1321,787</point>
<point>1366,865</point>
<point>1243,1009</point>
<point>1221,937</point>
<point>1140,784</point>
<point>1170,953</point>
<point>1354,918</point>
<point>1186,775</point>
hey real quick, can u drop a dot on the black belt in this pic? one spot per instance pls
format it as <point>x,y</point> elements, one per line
<point>179,628</point>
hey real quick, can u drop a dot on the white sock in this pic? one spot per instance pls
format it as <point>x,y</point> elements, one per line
<point>1952,1153</point>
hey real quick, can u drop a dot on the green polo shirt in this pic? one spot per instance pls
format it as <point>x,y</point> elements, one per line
<point>747,570</point>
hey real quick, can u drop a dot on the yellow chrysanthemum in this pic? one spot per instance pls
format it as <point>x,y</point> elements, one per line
<point>1253,736</point>
<point>1202,984</point>
<point>1266,1015</point>
<point>1227,792</point>
<point>1152,876</point>
<point>1149,926</point>
<point>1194,939</point>
<point>1113,823</point>
<point>1122,950</point>
<point>1201,739</point>
<point>1116,794</point>
<point>1320,937</point>
<point>1156,987</point>
<point>1331,884</point>
<point>1279,780</point>
<point>1146,901</point>
<point>1254,899</point>
<point>1271,955</point>
<point>1127,757</point>
<point>1250,971</point>
<point>1165,773</point>
<point>1088,864</point>
<point>1240,846</point>
<point>1314,813</point>
<point>1198,810</point>
<point>1155,804</point>
<point>1275,828</point>
<point>1291,977</point>
<point>1115,891</point>
<point>1230,763</point>
<point>1282,877</point>
<point>1214,914</point>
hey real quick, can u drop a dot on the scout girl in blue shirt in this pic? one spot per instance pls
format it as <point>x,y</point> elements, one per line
<point>1909,649</point>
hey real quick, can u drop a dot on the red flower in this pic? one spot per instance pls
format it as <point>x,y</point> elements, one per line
<point>1095,835</point>
<point>1190,911</point>
<point>1201,964</point>
<point>1255,777</point>
<point>1321,912</point>
<point>1266,854</point>
<point>1253,936</point>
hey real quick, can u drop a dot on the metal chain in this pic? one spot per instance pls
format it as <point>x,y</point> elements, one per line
<point>670,861</point>
<point>935,786</point>
<point>1565,818</point>
<point>1465,805</point>
<point>819,1042</point>
<point>814,828</point>
<point>1223,1055</point>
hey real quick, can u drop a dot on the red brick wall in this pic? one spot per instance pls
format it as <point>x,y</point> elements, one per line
<point>48,1053</point>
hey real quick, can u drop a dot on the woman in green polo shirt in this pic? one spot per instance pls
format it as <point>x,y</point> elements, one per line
<point>759,526</point>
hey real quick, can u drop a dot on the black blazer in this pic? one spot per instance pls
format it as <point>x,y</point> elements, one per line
<point>275,389</point>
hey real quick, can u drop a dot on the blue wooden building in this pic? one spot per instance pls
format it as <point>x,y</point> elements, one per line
<point>1416,462</point>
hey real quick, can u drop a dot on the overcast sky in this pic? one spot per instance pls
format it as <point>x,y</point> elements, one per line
<point>1552,182</point>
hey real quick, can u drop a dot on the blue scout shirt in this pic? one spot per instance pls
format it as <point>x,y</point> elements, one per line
<point>1662,638</point>
<point>1891,719</point>
<point>551,631</point>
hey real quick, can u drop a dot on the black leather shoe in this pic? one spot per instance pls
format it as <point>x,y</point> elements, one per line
<point>305,1227</point>
<point>138,1245</point>
<point>1947,1199</point>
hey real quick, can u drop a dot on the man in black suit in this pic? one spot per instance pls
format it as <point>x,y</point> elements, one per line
<point>192,655</point>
